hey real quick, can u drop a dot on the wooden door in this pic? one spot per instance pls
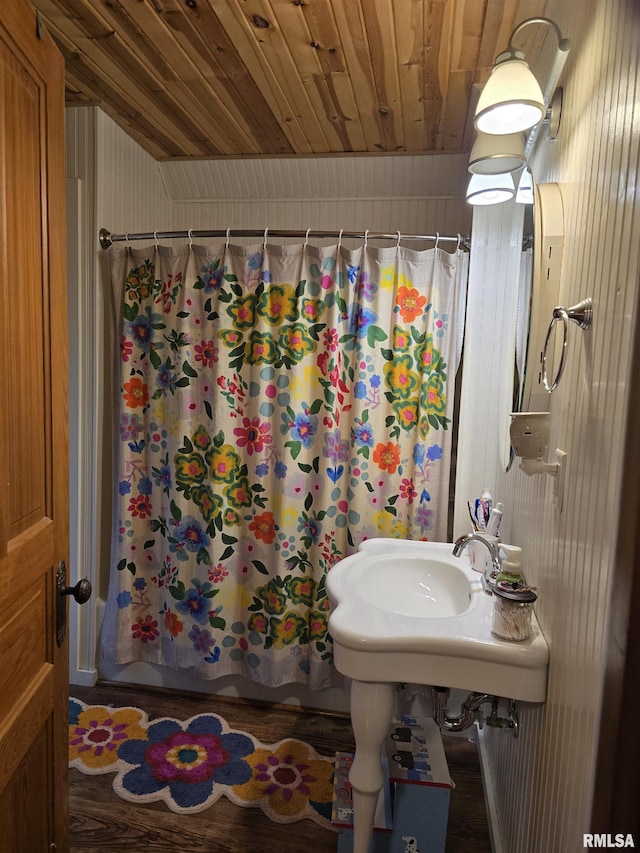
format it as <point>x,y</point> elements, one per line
<point>33,437</point>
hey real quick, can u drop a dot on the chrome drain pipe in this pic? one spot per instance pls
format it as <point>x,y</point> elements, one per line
<point>469,712</point>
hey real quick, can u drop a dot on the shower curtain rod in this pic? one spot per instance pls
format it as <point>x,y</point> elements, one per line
<point>107,238</point>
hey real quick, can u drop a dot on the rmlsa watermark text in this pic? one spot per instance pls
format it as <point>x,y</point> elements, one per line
<point>605,840</point>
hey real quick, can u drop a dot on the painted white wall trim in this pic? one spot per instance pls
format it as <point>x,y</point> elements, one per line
<point>489,794</point>
<point>82,426</point>
<point>323,199</point>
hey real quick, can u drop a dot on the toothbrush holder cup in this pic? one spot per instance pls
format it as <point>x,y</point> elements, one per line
<point>479,555</point>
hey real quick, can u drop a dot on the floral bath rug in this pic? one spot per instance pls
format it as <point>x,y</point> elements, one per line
<point>190,764</point>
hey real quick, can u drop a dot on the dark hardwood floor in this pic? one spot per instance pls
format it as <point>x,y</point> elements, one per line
<point>103,823</point>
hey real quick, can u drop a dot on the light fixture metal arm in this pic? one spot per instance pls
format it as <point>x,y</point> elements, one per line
<point>563,43</point>
<point>562,52</point>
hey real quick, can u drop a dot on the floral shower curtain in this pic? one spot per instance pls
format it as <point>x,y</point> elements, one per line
<point>277,406</point>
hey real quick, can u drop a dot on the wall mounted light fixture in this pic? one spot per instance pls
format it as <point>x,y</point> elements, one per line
<point>511,103</point>
<point>494,155</point>
<point>490,189</point>
<point>512,99</point>
<point>524,193</point>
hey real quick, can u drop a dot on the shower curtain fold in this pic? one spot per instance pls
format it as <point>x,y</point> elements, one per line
<point>277,406</point>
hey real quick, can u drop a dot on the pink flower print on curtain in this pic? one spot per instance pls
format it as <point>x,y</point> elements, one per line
<point>276,409</point>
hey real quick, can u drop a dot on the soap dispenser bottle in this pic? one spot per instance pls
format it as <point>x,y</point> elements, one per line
<point>510,570</point>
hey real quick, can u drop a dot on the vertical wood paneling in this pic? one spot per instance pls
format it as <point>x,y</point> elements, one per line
<point>570,556</point>
<point>267,50</point>
<point>243,77</point>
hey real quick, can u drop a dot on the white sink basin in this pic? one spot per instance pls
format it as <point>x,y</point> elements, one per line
<point>411,585</point>
<point>407,611</point>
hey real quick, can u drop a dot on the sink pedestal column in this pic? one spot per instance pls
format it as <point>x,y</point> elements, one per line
<point>371,712</point>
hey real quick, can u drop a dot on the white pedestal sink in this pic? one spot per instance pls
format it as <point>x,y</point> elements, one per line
<point>411,612</point>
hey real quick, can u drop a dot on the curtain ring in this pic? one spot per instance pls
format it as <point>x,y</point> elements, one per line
<point>437,239</point>
<point>264,245</point>
<point>306,239</point>
<point>366,238</point>
<point>398,242</point>
<point>127,244</point>
<point>155,240</point>
<point>458,244</point>
<point>226,242</point>
<point>190,235</point>
<point>340,239</point>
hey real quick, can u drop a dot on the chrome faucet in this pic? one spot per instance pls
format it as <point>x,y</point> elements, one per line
<point>488,578</point>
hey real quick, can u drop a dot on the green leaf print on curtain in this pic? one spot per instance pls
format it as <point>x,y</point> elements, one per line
<point>276,408</point>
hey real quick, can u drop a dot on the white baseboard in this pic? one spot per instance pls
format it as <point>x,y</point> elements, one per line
<point>489,794</point>
<point>83,677</point>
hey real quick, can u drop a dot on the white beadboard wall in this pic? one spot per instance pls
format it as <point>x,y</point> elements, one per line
<point>130,193</point>
<point>421,195</point>
<point>544,782</point>
<point>375,177</point>
<point>409,216</point>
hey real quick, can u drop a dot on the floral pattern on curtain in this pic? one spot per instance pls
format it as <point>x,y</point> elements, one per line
<point>277,406</point>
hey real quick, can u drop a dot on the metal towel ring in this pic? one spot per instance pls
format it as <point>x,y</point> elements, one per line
<point>582,315</point>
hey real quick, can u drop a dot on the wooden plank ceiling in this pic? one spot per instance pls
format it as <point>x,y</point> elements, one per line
<point>230,78</point>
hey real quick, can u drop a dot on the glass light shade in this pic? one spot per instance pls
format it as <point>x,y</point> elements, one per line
<point>524,193</point>
<point>490,189</point>
<point>511,100</point>
<point>493,155</point>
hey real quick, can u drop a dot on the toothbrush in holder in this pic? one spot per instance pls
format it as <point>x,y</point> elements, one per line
<point>495,517</point>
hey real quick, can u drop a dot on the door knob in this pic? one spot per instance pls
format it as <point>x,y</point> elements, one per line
<point>81,592</point>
